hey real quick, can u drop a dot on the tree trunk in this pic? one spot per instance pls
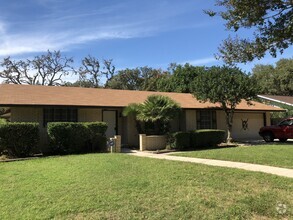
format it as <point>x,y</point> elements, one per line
<point>229,131</point>
<point>229,122</point>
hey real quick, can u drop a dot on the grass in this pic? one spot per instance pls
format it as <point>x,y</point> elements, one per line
<point>273,155</point>
<point>117,186</point>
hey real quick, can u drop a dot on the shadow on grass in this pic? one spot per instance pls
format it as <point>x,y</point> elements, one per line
<point>240,144</point>
<point>261,142</point>
<point>211,147</point>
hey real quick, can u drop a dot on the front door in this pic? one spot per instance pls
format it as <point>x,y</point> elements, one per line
<point>109,116</point>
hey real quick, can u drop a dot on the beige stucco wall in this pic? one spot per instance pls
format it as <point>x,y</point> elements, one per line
<point>89,114</point>
<point>152,142</point>
<point>190,120</point>
<point>268,117</point>
<point>221,120</point>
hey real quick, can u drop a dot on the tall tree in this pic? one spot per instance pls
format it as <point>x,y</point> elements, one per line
<point>226,86</point>
<point>90,73</point>
<point>108,70</point>
<point>264,76</point>
<point>164,83</point>
<point>284,72</point>
<point>141,78</point>
<point>181,78</point>
<point>272,24</point>
<point>276,80</point>
<point>47,69</point>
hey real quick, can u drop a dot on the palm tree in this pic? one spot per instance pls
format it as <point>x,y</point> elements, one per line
<point>157,109</point>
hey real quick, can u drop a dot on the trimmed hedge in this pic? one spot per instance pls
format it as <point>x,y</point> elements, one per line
<point>207,138</point>
<point>196,139</point>
<point>76,137</point>
<point>96,127</point>
<point>19,139</point>
<point>180,140</point>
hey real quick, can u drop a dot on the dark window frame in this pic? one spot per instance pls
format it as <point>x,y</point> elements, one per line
<point>59,115</point>
<point>206,119</point>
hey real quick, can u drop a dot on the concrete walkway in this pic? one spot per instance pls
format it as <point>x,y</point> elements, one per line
<point>221,163</point>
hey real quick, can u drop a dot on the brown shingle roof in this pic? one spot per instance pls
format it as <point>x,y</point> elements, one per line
<point>27,95</point>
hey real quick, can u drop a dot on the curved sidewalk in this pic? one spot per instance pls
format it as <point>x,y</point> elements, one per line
<point>284,172</point>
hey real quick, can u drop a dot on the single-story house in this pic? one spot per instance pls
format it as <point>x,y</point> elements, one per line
<point>45,104</point>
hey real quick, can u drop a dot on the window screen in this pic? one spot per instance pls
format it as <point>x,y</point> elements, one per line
<point>206,119</point>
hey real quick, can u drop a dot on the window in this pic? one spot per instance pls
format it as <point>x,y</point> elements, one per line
<point>60,115</point>
<point>206,119</point>
<point>288,122</point>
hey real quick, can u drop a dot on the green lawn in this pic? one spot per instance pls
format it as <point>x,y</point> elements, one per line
<point>273,155</point>
<point>117,186</point>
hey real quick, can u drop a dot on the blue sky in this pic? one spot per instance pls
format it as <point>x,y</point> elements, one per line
<point>131,32</point>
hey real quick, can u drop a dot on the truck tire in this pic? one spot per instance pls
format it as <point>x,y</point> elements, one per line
<point>283,139</point>
<point>268,137</point>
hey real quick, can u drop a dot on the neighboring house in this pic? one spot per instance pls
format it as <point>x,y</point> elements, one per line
<point>285,102</point>
<point>45,104</point>
<point>277,99</point>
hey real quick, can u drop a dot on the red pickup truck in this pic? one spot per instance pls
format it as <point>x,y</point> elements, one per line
<point>282,131</point>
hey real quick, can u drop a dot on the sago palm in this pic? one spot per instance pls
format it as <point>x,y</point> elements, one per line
<point>156,109</point>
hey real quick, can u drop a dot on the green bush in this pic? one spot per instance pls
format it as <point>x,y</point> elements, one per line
<point>67,137</point>
<point>76,137</point>
<point>3,121</point>
<point>96,127</point>
<point>99,143</point>
<point>179,140</point>
<point>207,138</point>
<point>19,139</point>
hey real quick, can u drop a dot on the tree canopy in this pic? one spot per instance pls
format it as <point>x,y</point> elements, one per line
<point>180,78</point>
<point>226,86</point>
<point>275,80</point>
<point>140,78</point>
<point>52,68</point>
<point>270,20</point>
<point>90,72</point>
<point>47,69</point>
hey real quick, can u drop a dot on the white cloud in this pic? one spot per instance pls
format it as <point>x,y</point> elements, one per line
<point>63,28</point>
<point>13,44</point>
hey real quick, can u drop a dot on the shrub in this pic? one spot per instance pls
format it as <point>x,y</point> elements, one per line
<point>97,127</point>
<point>76,137</point>
<point>99,143</point>
<point>19,139</point>
<point>3,121</point>
<point>207,138</point>
<point>179,140</point>
<point>67,137</point>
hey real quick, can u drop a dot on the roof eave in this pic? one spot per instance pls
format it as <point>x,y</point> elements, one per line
<point>96,106</point>
<point>275,100</point>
